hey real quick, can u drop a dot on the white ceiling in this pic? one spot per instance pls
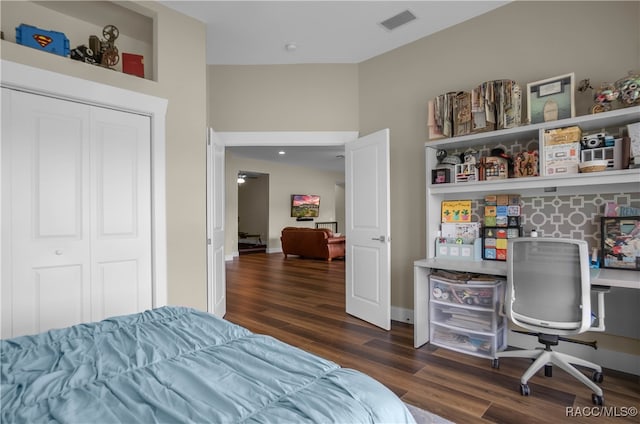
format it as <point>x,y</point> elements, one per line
<point>256,32</point>
<point>244,32</point>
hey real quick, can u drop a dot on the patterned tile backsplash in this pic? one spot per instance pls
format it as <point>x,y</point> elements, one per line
<point>575,217</point>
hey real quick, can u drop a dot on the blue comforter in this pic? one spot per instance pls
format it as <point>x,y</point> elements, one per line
<point>178,365</point>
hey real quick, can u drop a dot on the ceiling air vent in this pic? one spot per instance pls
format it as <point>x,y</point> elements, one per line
<point>398,20</point>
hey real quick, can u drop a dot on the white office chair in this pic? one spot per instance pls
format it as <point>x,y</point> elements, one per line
<point>549,293</point>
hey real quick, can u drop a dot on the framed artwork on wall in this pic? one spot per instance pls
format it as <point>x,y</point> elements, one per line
<point>305,205</point>
<point>551,99</point>
<point>621,242</point>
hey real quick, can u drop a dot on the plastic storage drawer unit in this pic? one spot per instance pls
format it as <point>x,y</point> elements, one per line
<point>465,316</point>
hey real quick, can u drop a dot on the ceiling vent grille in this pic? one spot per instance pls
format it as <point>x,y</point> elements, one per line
<point>398,20</point>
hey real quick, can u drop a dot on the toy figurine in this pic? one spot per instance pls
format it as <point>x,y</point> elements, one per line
<point>629,89</point>
<point>603,97</point>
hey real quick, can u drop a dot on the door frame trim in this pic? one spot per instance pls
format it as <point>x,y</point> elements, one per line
<point>286,138</point>
<point>33,80</point>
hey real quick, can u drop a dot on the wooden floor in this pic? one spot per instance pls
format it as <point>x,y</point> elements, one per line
<point>301,302</point>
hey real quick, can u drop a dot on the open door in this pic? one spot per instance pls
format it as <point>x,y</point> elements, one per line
<point>216,277</point>
<point>368,246</point>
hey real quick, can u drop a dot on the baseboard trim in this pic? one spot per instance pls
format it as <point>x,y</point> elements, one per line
<point>402,314</point>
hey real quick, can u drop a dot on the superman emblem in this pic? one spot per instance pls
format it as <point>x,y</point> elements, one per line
<point>43,40</point>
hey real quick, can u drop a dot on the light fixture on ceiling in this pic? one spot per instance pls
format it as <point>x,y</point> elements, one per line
<point>291,47</point>
<point>241,178</point>
<point>282,152</point>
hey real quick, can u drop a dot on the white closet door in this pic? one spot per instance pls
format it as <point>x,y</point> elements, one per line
<point>44,146</point>
<point>76,213</point>
<point>121,213</point>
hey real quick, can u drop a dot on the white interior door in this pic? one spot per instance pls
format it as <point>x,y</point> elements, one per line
<point>45,226</point>
<point>368,240</point>
<point>216,275</point>
<point>76,216</point>
<point>121,213</point>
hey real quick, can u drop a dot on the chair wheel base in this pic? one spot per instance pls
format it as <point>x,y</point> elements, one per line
<point>597,377</point>
<point>597,399</point>
<point>524,390</point>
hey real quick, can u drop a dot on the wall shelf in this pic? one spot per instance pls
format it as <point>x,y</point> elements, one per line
<point>614,181</point>
<point>79,20</point>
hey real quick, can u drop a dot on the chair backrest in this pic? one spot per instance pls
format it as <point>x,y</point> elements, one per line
<point>332,225</point>
<point>548,285</point>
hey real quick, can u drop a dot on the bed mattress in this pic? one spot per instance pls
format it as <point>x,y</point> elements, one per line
<point>176,364</point>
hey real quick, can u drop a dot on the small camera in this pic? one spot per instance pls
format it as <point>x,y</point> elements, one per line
<point>593,140</point>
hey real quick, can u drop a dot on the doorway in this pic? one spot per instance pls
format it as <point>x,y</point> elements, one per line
<point>253,212</point>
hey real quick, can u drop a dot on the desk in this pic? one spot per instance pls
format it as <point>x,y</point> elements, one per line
<point>599,276</point>
<point>422,268</point>
<point>615,278</point>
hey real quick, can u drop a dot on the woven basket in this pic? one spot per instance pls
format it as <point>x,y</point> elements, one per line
<point>593,166</point>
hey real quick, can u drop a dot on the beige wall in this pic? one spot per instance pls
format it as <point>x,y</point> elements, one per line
<point>284,180</point>
<point>181,76</point>
<point>283,97</point>
<point>524,41</point>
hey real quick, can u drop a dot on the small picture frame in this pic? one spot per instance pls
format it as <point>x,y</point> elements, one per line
<point>440,176</point>
<point>551,99</point>
<point>620,242</point>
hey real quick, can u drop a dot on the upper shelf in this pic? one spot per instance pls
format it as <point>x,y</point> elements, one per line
<point>625,180</point>
<point>78,21</point>
<point>596,121</point>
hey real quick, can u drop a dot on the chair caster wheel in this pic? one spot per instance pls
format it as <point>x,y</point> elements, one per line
<point>597,399</point>
<point>524,390</point>
<point>597,377</point>
<point>548,371</point>
<point>495,363</point>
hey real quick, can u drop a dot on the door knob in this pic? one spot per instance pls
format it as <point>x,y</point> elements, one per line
<point>381,238</point>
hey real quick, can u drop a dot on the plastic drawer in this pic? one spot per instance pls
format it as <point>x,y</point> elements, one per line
<point>473,343</point>
<point>461,293</point>
<point>466,317</point>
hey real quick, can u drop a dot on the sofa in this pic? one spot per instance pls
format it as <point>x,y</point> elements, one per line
<point>318,243</point>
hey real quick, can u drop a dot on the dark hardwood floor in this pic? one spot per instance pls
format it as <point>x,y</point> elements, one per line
<point>302,302</point>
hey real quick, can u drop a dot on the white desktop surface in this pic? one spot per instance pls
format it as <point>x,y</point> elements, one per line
<point>599,276</point>
<point>615,278</point>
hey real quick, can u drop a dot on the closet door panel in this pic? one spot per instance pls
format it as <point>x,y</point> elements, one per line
<point>114,279</point>
<point>59,296</point>
<point>121,191</point>
<point>48,163</point>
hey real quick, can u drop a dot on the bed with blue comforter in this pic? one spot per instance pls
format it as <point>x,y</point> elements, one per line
<point>179,365</point>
